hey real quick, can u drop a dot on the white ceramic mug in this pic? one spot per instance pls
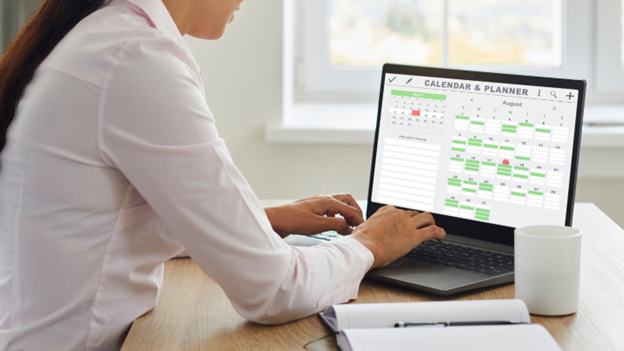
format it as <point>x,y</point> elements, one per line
<point>548,268</point>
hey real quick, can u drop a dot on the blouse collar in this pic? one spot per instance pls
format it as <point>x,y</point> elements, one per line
<point>158,16</point>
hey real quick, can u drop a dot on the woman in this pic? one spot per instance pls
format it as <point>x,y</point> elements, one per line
<point>112,164</point>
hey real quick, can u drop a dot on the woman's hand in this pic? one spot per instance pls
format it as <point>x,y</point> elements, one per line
<point>315,215</point>
<point>391,233</point>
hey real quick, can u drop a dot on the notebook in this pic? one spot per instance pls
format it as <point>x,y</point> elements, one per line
<point>526,337</point>
<point>371,326</point>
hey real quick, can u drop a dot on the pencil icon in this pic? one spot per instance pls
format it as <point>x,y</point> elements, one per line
<point>409,80</point>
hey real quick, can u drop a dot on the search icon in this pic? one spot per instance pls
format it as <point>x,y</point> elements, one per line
<point>552,92</point>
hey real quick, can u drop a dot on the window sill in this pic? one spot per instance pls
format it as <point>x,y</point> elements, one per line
<point>339,123</point>
<point>354,124</point>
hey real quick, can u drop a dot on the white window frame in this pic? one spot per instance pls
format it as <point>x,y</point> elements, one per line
<point>609,71</point>
<point>317,81</point>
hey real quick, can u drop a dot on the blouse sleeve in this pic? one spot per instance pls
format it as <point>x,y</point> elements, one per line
<point>155,127</point>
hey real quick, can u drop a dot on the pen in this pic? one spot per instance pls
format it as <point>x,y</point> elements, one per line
<point>453,324</point>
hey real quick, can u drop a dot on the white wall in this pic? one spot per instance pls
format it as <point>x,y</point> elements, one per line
<point>13,15</point>
<point>243,73</point>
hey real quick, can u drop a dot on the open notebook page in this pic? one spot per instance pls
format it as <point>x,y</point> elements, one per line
<point>385,315</point>
<point>525,337</point>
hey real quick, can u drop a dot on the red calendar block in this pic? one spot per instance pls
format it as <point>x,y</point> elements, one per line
<point>415,113</point>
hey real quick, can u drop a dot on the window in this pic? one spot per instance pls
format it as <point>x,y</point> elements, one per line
<point>343,43</point>
<point>453,32</point>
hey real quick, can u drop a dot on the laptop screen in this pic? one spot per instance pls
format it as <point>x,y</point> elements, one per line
<point>483,151</point>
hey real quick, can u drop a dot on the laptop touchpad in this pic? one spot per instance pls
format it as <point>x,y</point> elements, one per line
<point>429,274</point>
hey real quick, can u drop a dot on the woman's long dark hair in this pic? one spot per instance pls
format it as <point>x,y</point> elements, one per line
<point>53,20</point>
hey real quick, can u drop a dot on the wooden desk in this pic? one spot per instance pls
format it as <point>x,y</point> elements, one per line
<point>194,314</point>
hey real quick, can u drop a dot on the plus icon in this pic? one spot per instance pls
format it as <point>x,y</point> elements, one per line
<point>570,96</point>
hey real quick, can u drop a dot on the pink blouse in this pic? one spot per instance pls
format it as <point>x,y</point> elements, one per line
<point>113,164</point>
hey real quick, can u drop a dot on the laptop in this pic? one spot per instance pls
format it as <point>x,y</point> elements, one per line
<point>484,153</point>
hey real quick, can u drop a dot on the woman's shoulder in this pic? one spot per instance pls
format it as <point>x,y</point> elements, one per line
<point>109,35</point>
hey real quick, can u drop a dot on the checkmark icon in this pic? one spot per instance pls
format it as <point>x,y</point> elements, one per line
<point>392,80</point>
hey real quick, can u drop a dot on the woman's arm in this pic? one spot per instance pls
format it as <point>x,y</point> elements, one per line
<point>156,129</point>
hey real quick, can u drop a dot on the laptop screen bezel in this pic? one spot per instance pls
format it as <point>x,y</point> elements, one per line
<point>468,228</point>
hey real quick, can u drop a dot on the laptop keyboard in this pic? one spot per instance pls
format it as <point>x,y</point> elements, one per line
<point>470,259</point>
<point>476,260</point>
<point>327,236</point>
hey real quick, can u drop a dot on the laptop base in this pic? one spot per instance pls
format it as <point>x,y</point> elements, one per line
<point>434,278</point>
